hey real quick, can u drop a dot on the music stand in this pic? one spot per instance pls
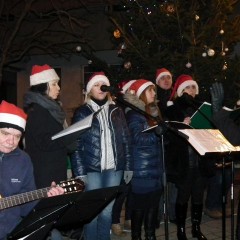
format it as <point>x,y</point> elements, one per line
<point>63,211</point>
<point>209,143</point>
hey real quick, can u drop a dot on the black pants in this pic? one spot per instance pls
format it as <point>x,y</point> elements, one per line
<point>192,185</point>
<point>118,204</point>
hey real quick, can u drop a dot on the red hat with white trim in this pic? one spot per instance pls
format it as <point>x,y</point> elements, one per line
<point>12,117</point>
<point>42,74</point>
<point>140,85</point>
<point>96,77</point>
<point>182,82</point>
<point>125,85</point>
<point>162,72</point>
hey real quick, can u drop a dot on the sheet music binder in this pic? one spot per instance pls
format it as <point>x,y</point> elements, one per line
<point>201,119</point>
<point>78,127</point>
<point>209,141</point>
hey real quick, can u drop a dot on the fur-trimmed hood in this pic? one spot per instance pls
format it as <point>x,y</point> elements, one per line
<point>134,100</point>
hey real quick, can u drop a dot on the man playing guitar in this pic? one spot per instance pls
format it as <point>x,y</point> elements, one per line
<point>16,171</point>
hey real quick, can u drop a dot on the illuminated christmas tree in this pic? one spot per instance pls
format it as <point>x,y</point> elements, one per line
<point>196,37</point>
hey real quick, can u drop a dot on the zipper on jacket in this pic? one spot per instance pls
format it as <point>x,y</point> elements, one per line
<point>113,140</point>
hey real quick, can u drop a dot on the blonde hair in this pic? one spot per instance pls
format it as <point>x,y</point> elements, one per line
<point>88,97</point>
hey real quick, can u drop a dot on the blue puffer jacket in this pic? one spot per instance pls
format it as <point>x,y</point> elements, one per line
<point>87,157</point>
<point>147,155</point>
<point>16,176</point>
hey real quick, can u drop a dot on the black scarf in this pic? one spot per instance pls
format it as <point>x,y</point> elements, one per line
<point>100,102</point>
<point>51,105</point>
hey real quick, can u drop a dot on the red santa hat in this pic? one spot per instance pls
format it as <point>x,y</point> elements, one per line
<point>182,82</point>
<point>12,117</point>
<point>42,74</point>
<point>96,77</point>
<point>125,85</point>
<point>162,72</point>
<point>140,85</point>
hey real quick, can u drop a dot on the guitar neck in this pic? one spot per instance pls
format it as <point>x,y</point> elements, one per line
<point>69,186</point>
<point>21,198</point>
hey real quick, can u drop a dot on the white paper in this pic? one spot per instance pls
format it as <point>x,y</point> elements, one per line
<point>209,141</point>
<point>78,126</point>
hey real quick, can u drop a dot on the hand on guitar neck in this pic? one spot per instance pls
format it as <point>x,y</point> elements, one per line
<point>55,190</point>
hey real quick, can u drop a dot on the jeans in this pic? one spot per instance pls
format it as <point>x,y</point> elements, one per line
<point>214,189</point>
<point>99,227</point>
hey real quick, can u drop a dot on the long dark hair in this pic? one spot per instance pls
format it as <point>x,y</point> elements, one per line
<point>41,88</point>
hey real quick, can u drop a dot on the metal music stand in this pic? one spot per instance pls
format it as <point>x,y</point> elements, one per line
<point>221,152</point>
<point>68,210</point>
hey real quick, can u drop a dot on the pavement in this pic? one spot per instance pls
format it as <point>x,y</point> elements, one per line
<point>211,228</point>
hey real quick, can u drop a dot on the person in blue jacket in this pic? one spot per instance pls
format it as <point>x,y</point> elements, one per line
<point>103,151</point>
<point>146,183</point>
<point>16,170</point>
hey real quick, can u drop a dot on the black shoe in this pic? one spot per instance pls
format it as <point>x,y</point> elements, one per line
<point>181,234</point>
<point>196,233</point>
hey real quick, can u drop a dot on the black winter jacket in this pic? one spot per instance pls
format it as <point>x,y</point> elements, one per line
<point>227,126</point>
<point>177,149</point>
<point>49,157</point>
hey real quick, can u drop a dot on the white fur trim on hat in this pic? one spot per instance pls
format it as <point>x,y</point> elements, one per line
<point>163,74</point>
<point>94,80</point>
<point>127,86</point>
<point>13,119</point>
<point>43,77</point>
<point>184,85</point>
<point>143,87</point>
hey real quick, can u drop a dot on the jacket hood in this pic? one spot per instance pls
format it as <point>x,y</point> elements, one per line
<point>134,100</point>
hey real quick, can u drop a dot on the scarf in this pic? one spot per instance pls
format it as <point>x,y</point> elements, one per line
<point>107,156</point>
<point>53,107</point>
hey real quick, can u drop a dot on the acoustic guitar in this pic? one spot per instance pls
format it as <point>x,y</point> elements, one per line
<point>69,186</point>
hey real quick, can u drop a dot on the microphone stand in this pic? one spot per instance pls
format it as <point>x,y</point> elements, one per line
<point>164,125</point>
